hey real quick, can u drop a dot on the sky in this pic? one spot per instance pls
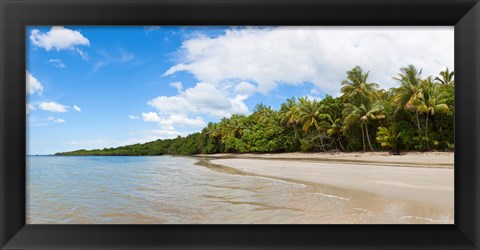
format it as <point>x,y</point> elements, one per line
<point>105,86</point>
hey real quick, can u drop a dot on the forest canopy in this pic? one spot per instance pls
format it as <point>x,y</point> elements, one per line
<point>416,116</point>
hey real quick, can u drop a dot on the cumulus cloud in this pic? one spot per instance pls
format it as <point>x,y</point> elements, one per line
<point>59,38</point>
<point>77,108</point>
<point>170,121</point>
<point>56,120</point>
<point>133,117</point>
<point>320,55</point>
<point>202,99</point>
<point>53,107</point>
<point>177,85</point>
<point>33,85</point>
<point>245,88</point>
<point>57,63</point>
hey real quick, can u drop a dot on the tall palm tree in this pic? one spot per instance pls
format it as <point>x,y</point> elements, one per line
<point>408,91</point>
<point>356,88</point>
<point>309,113</point>
<point>446,77</point>
<point>363,114</point>
<point>309,116</point>
<point>431,100</point>
<point>289,115</point>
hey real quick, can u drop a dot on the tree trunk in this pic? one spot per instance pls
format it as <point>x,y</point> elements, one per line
<point>340,143</point>
<point>363,139</point>
<point>321,142</point>
<point>418,123</point>
<point>368,138</point>
<point>426,131</point>
<point>296,132</point>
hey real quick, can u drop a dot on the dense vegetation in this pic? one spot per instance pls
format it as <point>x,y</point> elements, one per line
<point>416,116</point>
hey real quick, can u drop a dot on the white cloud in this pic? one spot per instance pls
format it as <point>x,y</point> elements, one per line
<point>78,109</point>
<point>151,117</point>
<point>206,96</point>
<point>245,88</point>
<point>177,85</point>
<point>321,55</point>
<point>33,85</point>
<point>53,107</point>
<point>57,63</point>
<point>59,38</point>
<point>170,121</point>
<point>56,120</point>
<point>133,117</point>
<point>172,104</point>
<point>30,107</point>
<point>202,99</point>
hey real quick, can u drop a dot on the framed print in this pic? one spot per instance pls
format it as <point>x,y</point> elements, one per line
<point>226,124</point>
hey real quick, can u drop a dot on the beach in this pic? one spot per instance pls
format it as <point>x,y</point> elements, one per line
<point>422,178</point>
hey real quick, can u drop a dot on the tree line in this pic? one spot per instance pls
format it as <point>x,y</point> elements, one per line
<point>416,116</point>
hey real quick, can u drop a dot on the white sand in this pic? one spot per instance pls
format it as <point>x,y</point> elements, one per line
<point>387,175</point>
<point>409,159</point>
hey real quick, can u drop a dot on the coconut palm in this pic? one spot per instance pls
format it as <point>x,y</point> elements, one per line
<point>310,116</point>
<point>363,114</point>
<point>388,137</point>
<point>333,127</point>
<point>289,115</point>
<point>309,113</point>
<point>431,100</point>
<point>356,88</point>
<point>408,91</point>
<point>235,126</point>
<point>446,77</point>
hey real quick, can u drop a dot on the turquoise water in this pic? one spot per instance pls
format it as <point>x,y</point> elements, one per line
<point>166,189</point>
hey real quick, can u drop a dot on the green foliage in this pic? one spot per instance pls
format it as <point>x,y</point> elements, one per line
<point>389,138</point>
<point>417,115</point>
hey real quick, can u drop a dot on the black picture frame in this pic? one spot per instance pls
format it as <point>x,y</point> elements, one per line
<point>16,14</point>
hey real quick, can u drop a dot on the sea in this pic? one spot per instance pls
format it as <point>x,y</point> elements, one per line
<point>189,190</point>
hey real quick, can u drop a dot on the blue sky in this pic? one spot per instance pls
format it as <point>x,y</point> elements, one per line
<point>100,86</point>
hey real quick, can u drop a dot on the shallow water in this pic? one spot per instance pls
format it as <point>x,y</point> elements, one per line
<point>177,190</point>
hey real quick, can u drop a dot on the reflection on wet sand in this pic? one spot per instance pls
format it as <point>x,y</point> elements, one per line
<point>357,206</point>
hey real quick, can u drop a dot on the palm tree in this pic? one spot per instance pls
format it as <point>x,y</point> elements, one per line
<point>262,112</point>
<point>408,91</point>
<point>309,112</point>
<point>334,128</point>
<point>235,126</point>
<point>431,100</point>
<point>363,114</point>
<point>309,116</point>
<point>447,77</point>
<point>356,88</point>
<point>388,137</point>
<point>289,115</point>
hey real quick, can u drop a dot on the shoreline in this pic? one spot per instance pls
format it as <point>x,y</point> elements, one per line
<point>432,185</point>
<point>409,159</point>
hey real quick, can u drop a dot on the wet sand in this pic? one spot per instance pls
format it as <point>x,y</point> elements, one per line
<point>425,178</point>
<point>408,159</point>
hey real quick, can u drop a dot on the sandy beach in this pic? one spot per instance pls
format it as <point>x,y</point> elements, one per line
<point>424,178</point>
